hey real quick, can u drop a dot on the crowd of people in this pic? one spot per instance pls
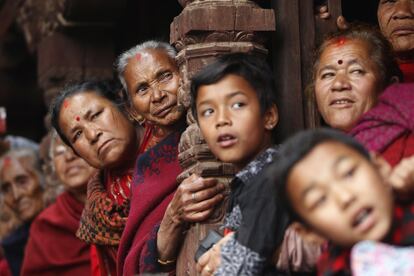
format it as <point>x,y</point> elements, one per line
<point>331,201</point>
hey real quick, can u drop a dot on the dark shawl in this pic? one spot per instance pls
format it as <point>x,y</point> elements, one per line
<point>14,245</point>
<point>153,187</point>
<point>53,248</point>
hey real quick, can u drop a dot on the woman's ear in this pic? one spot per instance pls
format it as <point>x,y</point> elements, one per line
<point>133,115</point>
<point>271,117</point>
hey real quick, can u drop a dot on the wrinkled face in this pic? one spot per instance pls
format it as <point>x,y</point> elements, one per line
<point>72,171</point>
<point>152,80</point>
<point>347,83</point>
<point>231,122</point>
<point>21,189</point>
<point>98,131</point>
<point>396,20</point>
<point>346,201</point>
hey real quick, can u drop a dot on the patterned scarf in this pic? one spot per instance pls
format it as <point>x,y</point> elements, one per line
<point>103,220</point>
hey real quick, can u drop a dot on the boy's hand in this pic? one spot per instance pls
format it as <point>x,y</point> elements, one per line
<point>210,261</point>
<point>402,178</point>
<point>195,199</point>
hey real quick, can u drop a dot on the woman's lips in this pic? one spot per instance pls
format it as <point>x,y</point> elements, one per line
<point>401,31</point>
<point>163,111</point>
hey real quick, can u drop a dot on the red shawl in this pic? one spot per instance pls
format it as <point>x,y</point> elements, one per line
<point>388,127</point>
<point>407,68</point>
<point>4,268</point>
<point>53,248</point>
<point>153,187</point>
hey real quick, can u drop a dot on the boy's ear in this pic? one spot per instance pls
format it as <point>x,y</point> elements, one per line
<point>271,117</point>
<point>307,234</point>
<point>381,164</point>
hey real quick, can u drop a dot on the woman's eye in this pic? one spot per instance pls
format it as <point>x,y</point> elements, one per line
<point>327,75</point>
<point>142,89</point>
<point>207,112</point>
<point>5,188</point>
<point>238,105</point>
<point>76,136</point>
<point>166,76</point>
<point>96,115</point>
<point>357,72</point>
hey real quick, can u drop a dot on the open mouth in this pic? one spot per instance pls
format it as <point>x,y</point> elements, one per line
<point>341,102</point>
<point>226,140</point>
<point>363,220</point>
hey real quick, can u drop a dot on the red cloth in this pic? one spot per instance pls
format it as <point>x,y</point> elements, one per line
<point>53,248</point>
<point>4,268</point>
<point>154,185</point>
<point>388,127</point>
<point>407,68</point>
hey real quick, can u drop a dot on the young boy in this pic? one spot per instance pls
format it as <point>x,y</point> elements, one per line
<point>234,105</point>
<point>338,192</point>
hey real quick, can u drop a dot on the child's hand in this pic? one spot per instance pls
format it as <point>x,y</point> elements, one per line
<point>322,12</point>
<point>402,178</point>
<point>195,199</point>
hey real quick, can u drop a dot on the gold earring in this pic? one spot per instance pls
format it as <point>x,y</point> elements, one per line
<point>137,118</point>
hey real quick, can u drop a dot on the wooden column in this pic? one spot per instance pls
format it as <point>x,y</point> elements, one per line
<point>299,32</point>
<point>203,31</point>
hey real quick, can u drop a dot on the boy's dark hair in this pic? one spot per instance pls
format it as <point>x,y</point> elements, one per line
<point>100,88</point>
<point>252,68</point>
<point>296,148</point>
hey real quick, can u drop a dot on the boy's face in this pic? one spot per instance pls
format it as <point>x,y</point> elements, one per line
<point>231,122</point>
<point>340,194</point>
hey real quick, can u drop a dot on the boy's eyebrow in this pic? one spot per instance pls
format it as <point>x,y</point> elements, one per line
<point>231,95</point>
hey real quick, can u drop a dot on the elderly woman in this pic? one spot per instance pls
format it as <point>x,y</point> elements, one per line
<point>396,21</point>
<point>90,119</point>
<point>20,183</point>
<point>351,69</point>
<point>159,215</point>
<point>53,248</point>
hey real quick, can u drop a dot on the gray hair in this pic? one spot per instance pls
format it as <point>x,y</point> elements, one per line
<point>123,59</point>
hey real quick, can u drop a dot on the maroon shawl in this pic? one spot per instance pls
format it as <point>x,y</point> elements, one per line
<point>53,248</point>
<point>390,121</point>
<point>153,187</point>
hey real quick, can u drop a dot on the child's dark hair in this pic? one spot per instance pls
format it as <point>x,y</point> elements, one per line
<point>252,68</point>
<point>100,88</point>
<point>296,148</point>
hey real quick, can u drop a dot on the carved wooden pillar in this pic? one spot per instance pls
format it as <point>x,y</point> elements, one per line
<point>204,30</point>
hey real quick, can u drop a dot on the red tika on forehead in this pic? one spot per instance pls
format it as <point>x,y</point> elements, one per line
<point>7,161</point>
<point>77,118</point>
<point>341,41</point>
<point>65,103</point>
<point>138,56</point>
<point>340,62</point>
